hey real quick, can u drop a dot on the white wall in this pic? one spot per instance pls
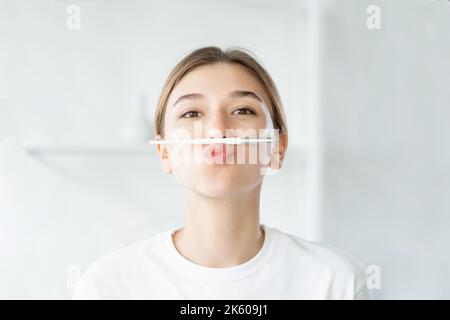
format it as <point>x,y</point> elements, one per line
<point>386,107</point>
<point>64,86</point>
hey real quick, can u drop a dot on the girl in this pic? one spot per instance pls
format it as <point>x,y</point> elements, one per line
<point>222,251</point>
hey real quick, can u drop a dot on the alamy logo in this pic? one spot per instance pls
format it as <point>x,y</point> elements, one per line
<point>73,274</point>
<point>74,17</point>
<point>374,18</point>
<point>373,281</point>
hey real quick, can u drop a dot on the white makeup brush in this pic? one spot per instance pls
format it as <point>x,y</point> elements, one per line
<point>233,140</point>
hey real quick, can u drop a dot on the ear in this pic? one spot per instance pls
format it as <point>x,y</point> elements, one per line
<point>162,150</point>
<point>277,155</point>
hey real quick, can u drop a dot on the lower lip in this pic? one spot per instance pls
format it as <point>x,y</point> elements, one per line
<point>221,155</point>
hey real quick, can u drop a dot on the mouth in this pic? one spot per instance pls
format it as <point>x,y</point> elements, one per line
<point>218,152</point>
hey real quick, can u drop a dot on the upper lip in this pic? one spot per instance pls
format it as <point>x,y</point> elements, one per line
<point>219,149</point>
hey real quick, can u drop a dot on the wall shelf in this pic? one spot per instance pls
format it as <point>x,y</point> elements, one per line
<point>88,149</point>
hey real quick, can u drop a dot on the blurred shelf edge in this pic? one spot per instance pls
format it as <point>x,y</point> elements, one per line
<point>140,149</point>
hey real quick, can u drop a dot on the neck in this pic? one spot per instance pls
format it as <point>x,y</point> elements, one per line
<point>221,232</point>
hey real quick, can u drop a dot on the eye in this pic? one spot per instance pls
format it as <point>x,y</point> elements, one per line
<point>191,114</point>
<point>245,110</point>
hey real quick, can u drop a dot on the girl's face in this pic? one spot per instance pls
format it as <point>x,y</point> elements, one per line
<point>207,102</point>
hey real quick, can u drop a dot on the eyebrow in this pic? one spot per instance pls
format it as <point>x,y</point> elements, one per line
<point>242,93</point>
<point>234,94</point>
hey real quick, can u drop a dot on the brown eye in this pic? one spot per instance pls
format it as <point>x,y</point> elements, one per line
<point>245,111</point>
<point>192,114</point>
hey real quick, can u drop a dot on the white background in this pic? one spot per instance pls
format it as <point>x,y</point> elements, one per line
<point>373,105</point>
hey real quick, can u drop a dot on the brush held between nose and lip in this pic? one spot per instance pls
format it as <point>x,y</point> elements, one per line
<point>214,140</point>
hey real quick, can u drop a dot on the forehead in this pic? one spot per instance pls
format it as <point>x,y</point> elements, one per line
<point>218,80</point>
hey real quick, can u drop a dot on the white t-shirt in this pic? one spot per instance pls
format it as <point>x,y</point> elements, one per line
<point>286,267</point>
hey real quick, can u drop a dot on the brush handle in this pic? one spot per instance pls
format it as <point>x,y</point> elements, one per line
<point>213,140</point>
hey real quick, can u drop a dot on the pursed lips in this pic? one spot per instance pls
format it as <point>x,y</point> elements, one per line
<point>217,151</point>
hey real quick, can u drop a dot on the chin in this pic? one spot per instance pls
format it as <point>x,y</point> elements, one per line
<point>217,187</point>
<point>218,180</point>
<point>217,194</point>
<point>225,188</point>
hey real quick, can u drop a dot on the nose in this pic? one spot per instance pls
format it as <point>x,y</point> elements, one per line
<point>216,127</point>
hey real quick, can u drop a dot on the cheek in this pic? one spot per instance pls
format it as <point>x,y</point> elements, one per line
<point>255,124</point>
<point>268,123</point>
<point>174,127</point>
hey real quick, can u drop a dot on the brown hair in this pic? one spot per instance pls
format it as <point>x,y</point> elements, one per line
<point>213,55</point>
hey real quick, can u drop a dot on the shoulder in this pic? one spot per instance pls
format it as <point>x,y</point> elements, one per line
<point>103,277</point>
<point>321,253</point>
<point>345,269</point>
